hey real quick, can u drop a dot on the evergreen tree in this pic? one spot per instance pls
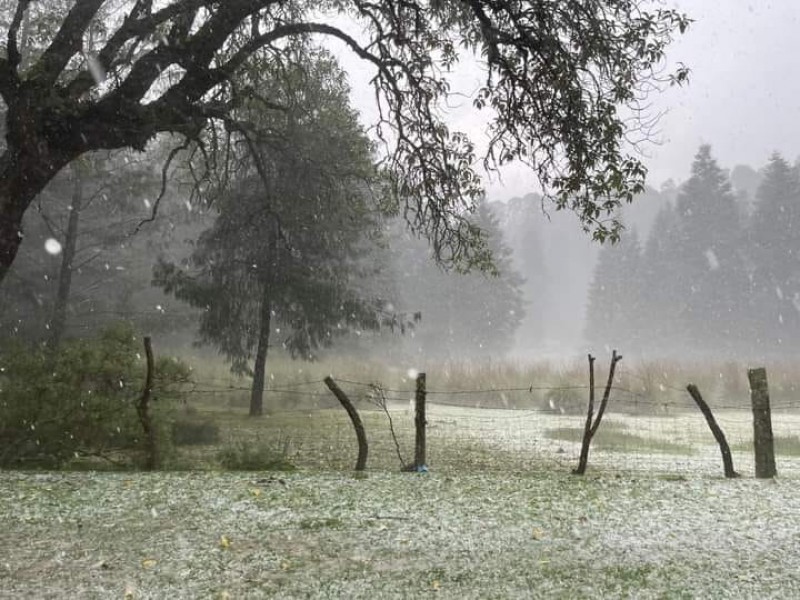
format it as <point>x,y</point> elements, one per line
<point>522,228</point>
<point>774,242</point>
<point>711,279</point>
<point>660,294</point>
<point>614,308</point>
<point>464,315</point>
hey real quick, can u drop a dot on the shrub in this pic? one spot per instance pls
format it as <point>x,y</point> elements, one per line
<point>253,456</point>
<point>194,433</point>
<point>80,402</point>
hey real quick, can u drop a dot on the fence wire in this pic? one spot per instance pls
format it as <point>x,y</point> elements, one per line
<point>647,430</point>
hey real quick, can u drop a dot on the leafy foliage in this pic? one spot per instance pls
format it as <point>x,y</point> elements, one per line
<point>292,240</point>
<point>80,403</point>
<point>565,84</point>
<point>712,277</point>
<point>614,313</point>
<point>92,210</point>
<point>246,455</point>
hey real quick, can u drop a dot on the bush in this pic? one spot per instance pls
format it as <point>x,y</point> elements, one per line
<point>253,456</point>
<point>81,402</point>
<point>194,433</point>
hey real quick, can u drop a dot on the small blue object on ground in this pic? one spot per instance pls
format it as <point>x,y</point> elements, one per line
<point>422,468</point>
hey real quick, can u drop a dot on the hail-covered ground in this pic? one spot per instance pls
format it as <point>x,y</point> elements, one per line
<point>397,535</point>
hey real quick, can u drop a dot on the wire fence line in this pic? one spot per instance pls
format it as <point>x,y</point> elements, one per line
<point>621,395</point>
<point>513,427</point>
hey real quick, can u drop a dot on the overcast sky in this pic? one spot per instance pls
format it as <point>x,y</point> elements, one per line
<point>743,97</point>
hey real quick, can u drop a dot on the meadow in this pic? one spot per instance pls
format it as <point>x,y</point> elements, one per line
<point>270,507</point>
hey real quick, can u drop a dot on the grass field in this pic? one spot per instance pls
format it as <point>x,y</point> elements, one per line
<point>393,535</point>
<point>498,516</point>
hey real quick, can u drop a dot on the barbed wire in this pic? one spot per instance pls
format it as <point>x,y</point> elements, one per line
<point>629,397</point>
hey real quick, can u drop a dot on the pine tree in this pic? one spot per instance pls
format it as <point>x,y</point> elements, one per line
<point>464,315</point>
<point>522,228</point>
<point>661,297</point>
<point>614,311</point>
<point>711,278</point>
<point>774,242</point>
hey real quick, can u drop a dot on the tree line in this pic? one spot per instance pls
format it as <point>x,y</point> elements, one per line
<point>718,273</point>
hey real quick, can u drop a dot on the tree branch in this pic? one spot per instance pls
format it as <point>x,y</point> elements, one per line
<point>67,42</point>
<point>164,170</point>
<point>12,47</point>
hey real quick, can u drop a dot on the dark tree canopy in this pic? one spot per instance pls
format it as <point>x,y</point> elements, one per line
<point>565,82</point>
<point>291,244</point>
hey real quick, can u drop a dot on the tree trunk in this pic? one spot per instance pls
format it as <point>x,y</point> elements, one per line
<point>270,277</point>
<point>11,211</point>
<point>23,174</point>
<point>59,320</point>
<point>260,367</point>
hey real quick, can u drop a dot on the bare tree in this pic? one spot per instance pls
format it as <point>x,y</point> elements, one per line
<point>565,83</point>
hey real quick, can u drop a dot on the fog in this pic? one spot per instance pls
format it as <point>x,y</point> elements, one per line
<point>741,101</point>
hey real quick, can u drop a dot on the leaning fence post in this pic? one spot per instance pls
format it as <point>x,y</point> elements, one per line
<point>763,441</point>
<point>727,458</point>
<point>420,422</point>
<point>361,462</point>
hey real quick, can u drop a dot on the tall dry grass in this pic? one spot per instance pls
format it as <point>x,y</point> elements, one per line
<point>651,386</point>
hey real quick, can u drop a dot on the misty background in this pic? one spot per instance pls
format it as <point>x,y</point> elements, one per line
<point>544,304</point>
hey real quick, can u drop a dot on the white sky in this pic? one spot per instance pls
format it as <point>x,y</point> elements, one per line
<point>743,97</point>
<point>744,94</point>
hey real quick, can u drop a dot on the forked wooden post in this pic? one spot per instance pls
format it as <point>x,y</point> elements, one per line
<point>361,435</point>
<point>420,423</point>
<point>763,441</point>
<point>591,427</point>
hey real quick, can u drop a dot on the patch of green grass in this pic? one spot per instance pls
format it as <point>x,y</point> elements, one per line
<point>191,432</point>
<point>631,576</point>
<point>313,524</point>
<point>252,456</point>
<point>672,477</point>
<point>615,439</point>
<point>788,445</point>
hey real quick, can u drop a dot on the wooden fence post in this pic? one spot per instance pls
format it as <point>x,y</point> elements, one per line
<point>727,458</point>
<point>763,442</point>
<point>361,462</point>
<point>143,411</point>
<point>587,430</point>
<point>420,422</point>
<point>591,427</point>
